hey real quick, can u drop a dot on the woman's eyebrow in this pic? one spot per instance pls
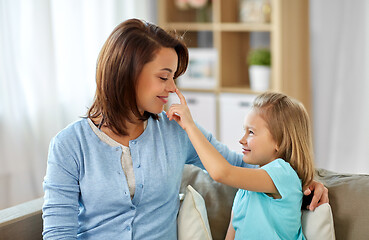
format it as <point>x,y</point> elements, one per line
<point>167,69</point>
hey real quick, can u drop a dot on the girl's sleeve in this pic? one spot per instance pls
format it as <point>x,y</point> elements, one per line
<point>284,178</point>
<point>61,188</point>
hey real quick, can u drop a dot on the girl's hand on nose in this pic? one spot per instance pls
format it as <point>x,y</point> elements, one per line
<point>180,112</point>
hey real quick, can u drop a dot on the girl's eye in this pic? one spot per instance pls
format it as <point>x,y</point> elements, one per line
<point>163,78</point>
<point>251,132</point>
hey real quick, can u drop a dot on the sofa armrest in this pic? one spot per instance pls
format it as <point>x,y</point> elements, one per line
<point>23,221</point>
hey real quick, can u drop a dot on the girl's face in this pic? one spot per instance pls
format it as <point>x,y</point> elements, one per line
<point>155,81</point>
<point>258,146</point>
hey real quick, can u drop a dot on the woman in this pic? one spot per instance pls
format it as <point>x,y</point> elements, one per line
<point>116,173</point>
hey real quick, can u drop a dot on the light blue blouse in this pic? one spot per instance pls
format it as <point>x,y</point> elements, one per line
<point>86,192</point>
<point>258,216</point>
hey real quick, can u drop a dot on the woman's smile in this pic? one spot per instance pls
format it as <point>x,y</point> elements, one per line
<point>164,99</point>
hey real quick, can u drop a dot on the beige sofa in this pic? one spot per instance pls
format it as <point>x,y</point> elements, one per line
<point>348,194</point>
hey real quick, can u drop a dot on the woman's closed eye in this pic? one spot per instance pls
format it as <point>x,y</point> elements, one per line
<point>163,78</point>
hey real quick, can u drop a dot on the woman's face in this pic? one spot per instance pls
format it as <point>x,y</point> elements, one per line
<point>258,145</point>
<point>155,81</point>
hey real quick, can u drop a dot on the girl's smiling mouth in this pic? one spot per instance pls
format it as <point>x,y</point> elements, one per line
<point>245,150</point>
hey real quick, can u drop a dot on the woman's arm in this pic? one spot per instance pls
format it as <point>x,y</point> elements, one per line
<point>320,194</point>
<point>61,207</point>
<point>231,232</point>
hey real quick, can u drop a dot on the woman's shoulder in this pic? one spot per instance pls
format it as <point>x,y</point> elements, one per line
<point>164,118</point>
<point>163,122</point>
<point>172,125</point>
<point>78,129</point>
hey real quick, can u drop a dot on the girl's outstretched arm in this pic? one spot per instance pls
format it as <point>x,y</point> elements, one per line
<point>257,180</point>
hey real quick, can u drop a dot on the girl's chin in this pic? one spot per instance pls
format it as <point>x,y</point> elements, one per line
<point>247,160</point>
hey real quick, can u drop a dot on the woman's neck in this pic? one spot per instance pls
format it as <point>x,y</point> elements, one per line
<point>134,130</point>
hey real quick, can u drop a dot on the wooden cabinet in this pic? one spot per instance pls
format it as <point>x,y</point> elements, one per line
<point>289,44</point>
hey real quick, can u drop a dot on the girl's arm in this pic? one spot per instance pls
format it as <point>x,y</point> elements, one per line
<point>219,169</point>
<point>231,233</point>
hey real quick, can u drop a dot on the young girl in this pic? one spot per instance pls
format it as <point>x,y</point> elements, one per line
<point>278,139</point>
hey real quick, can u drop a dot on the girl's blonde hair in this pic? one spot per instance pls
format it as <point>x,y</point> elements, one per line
<point>289,125</point>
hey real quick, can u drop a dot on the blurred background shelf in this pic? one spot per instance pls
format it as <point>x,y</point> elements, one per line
<point>286,34</point>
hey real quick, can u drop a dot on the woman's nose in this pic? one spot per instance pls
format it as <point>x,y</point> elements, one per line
<point>171,86</point>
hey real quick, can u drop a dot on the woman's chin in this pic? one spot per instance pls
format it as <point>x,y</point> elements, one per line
<point>155,111</point>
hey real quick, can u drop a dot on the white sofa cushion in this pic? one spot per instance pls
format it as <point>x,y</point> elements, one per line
<point>318,224</point>
<point>192,217</point>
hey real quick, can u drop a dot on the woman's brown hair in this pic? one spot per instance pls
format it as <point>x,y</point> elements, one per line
<point>131,45</point>
<point>289,124</point>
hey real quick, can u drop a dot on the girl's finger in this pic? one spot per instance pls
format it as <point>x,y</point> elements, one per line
<point>181,97</point>
<point>173,111</point>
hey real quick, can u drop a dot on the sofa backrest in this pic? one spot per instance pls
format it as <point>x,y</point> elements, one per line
<point>349,200</point>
